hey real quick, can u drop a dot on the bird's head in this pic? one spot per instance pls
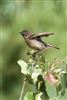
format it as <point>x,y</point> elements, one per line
<point>25,33</point>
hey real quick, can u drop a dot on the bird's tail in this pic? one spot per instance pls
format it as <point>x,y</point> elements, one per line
<point>53,46</point>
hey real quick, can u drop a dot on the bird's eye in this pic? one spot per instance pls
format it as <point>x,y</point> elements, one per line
<point>25,34</point>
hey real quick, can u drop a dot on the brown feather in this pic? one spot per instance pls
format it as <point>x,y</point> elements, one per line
<point>45,34</point>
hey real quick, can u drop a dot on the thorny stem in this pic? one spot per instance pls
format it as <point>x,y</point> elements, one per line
<point>22,90</point>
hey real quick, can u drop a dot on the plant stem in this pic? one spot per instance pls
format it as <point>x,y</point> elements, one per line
<point>22,90</point>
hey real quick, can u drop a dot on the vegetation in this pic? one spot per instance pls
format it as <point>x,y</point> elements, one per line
<point>35,16</point>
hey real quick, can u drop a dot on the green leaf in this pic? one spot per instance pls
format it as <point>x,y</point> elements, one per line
<point>29,96</point>
<point>35,73</point>
<point>38,96</point>
<point>63,82</point>
<point>23,66</point>
<point>41,96</point>
<point>51,90</point>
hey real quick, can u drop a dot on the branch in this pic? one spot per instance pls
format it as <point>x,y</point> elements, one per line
<point>22,90</point>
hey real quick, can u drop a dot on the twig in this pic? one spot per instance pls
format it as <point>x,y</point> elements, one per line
<point>22,90</point>
<point>52,64</point>
<point>55,64</point>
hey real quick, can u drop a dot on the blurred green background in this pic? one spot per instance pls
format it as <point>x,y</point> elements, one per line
<point>35,16</point>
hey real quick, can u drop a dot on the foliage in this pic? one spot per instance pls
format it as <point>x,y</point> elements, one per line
<point>36,75</point>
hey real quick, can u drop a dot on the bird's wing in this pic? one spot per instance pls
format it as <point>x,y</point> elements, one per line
<point>45,34</point>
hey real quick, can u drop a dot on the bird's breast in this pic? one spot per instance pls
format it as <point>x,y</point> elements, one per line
<point>33,43</point>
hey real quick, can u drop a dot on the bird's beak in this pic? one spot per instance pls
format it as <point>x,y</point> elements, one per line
<point>21,33</point>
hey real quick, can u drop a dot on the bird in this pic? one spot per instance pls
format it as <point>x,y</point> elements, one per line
<point>35,41</point>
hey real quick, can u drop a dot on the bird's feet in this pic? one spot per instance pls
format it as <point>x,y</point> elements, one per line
<point>32,54</point>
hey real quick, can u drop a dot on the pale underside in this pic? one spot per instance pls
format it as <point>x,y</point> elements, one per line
<point>35,44</point>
